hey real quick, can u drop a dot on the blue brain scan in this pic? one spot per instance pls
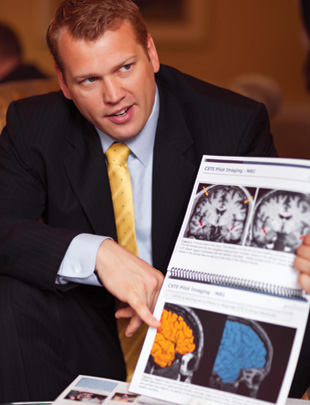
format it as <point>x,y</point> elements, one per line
<point>244,358</point>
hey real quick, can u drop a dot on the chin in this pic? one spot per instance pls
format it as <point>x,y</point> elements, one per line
<point>125,136</point>
<point>121,137</point>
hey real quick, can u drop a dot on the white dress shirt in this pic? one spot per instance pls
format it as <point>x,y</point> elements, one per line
<point>78,264</point>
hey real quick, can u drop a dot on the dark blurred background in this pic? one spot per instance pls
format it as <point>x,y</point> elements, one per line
<point>256,47</point>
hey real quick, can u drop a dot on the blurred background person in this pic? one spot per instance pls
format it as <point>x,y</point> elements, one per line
<point>12,65</point>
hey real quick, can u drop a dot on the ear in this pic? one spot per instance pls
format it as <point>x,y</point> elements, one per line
<point>62,83</point>
<point>151,49</point>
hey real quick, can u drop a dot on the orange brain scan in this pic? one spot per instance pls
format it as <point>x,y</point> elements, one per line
<point>173,336</point>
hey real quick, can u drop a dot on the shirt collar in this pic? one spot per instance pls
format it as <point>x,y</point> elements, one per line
<point>142,144</point>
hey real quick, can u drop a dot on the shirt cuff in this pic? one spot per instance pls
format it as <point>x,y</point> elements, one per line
<point>78,264</point>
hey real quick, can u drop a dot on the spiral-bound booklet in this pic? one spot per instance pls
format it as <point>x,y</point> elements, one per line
<point>232,312</point>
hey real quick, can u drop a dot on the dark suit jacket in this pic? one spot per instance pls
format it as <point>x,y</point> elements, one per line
<point>52,166</point>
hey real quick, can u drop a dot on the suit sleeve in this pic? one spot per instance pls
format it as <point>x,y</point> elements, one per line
<point>29,250</point>
<point>257,139</point>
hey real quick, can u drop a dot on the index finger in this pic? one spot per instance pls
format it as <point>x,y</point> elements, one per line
<point>143,312</point>
<point>134,324</point>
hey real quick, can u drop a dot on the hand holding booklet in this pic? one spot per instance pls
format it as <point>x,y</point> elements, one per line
<point>232,312</point>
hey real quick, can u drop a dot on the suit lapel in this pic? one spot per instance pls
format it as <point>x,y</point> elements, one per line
<point>173,176</point>
<point>87,173</point>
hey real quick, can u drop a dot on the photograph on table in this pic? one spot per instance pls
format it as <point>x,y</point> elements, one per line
<point>87,397</point>
<point>124,397</point>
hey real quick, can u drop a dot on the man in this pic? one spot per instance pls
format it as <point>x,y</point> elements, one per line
<point>60,263</point>
<point>12,66</point>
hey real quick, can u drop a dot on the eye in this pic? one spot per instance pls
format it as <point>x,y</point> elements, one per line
<point>125,68</point>
<point>90,80</point>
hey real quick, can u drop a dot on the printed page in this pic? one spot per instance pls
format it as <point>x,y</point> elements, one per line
<point>245,220</point>
<point>221,345</point>
<point>218,343</point>
<point>95,390</point>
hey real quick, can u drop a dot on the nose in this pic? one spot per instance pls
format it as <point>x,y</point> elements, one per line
<point>113,91</point>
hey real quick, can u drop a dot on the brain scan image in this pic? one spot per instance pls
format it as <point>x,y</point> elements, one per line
<point>178,344</point>
<point>220,214</point>
<point>280,221</point>
<point>244,358</point>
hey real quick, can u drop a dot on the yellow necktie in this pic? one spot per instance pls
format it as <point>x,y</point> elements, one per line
<point>121,190</point>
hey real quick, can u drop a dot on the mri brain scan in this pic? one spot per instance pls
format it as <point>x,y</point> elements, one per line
<point>244,358</point>
<point>178,345</point>
<point>281,220</point>
<point>220,214</point>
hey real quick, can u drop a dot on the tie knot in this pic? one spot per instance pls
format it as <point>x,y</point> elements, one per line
<point>117,154</point>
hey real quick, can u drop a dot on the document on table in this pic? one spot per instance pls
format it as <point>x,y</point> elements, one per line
<point>95,390</point>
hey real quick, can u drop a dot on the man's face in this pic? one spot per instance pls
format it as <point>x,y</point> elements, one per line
<point>111,80</point>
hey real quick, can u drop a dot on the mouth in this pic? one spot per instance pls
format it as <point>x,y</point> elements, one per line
<point>121,113</point>
<point>122,116</point>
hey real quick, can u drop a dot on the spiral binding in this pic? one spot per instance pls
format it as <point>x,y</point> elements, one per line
<point>236,282</point>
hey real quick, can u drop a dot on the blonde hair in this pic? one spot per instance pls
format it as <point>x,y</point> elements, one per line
<point>88,20</point>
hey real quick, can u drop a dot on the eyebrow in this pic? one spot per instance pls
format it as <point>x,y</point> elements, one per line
<point>127,61</point>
